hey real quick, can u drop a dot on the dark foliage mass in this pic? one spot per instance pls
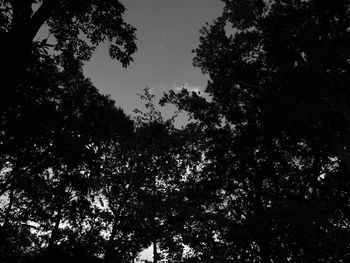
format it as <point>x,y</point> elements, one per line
<point>260,173</point>
<point>275,133</point>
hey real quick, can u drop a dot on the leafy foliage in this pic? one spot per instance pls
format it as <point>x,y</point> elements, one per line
<point>52,139</point>
<point>259,175</point>
<point>274,133</point>
<point>78,26</point>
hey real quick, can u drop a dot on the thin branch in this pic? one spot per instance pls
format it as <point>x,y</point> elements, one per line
<point>41,15</point>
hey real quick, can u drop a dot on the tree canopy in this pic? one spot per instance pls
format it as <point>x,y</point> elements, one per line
<point>276,132</point>
<point>258,174</point>
<point>76,27</point>
<point>79,26</point>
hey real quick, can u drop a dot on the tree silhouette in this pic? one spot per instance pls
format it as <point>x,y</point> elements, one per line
<point>259,174</point>
<point>55,127</point>
<point>164,165</point>
<point>274,134</point>
<point>77,28</point>
<point>51,145</point>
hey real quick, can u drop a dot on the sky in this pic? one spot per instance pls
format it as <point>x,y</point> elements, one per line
<point>167,32</point>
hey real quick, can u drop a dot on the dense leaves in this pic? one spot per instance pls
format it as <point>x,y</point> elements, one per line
<point>79,26</point>
<point>276,132</point>
<point>71,29</point>
<point>54,128</point>
<point>259,174</point>
<point>51,143</point>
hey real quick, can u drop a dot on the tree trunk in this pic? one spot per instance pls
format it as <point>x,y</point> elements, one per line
<point>155,252</point>
<point>109,249</point>
<point>265,252</point>
<point>16,45</point>
<point>260,231</point>
<point>55,230</point>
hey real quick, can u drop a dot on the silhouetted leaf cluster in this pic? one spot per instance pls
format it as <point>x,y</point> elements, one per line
<point>259,174</point>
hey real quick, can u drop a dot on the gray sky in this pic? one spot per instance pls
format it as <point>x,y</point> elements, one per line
<point>167,31</point>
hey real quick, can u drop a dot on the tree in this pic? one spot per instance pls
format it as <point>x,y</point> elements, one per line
<point>51,148</point>
<point>274,134</point>
<point>55,125</point>
<point>164,166</point>
<point>77,27</point>
<point>294,56</point>
<point>68,21</point>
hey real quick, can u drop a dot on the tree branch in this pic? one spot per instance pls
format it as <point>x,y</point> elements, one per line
<point>40,16</point>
